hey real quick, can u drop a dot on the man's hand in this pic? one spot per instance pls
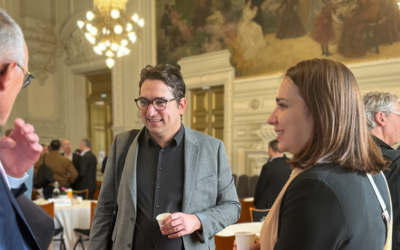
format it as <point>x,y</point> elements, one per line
<point>179,224</point>
<point>21,150</point>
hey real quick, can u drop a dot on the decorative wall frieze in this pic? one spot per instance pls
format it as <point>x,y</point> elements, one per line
<point>42,45</point>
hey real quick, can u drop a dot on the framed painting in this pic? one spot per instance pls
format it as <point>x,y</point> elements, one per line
<point>268,36</point>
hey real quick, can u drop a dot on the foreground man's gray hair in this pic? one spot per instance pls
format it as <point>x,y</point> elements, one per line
<point>11,40</point>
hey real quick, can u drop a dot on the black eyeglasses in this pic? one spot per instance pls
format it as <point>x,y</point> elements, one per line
<point>28,79</point>
<point>159,104</point>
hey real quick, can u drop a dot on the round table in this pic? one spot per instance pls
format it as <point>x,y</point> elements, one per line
<point>71,217</point>
<point>254,227</point>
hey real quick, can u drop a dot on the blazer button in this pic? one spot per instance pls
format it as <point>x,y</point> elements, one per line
<point>132,219</point>
<point>209,238</point>
<point>129,246</point>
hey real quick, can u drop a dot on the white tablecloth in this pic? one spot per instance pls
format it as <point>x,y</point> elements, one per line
<point>254,227</point>
<point>75,216</point>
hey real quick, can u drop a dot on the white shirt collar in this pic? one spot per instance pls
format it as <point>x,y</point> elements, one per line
<point>84,152</point>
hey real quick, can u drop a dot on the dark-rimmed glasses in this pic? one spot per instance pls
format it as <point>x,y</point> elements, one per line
<point>28,79</point>
<point>159,104</point>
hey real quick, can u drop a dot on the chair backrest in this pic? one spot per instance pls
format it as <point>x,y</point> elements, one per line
<point>97,192</point>
<point>92,206</point>
<point>234,179</point>
<point>49,208</point>
<point>224,243</point>
<point>258,215</point>
<point>245,214</point>
<point>242,186</point>
<point>84,193</point>
<point>251,190</point>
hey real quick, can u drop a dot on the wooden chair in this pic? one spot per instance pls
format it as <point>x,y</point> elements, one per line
<point>258,215</point>
<point>97,192</point>
<point>85,232</point>
<point>245,214</point>
<point>49,208</point>
<point>82,193</point>
<point>224,243</point>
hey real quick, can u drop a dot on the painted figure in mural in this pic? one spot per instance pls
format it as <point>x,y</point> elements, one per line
<point>289,24</point>
<point>249,32</point>
<point>259,18</point>
<point>166,21</point>
<point>180,25</point>
<point>382,17</point>
<point>313,12</point>
<point>323,32</point>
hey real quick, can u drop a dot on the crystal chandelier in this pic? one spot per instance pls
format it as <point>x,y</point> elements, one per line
<point>109,29</point>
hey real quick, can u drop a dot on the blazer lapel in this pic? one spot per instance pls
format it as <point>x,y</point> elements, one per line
<point>191,151</point>
<point>130,167</point>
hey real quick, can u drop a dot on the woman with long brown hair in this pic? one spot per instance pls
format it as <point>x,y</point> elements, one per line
<point>329,202</point>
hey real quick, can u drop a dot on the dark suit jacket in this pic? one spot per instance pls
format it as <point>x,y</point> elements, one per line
<point>393,179</point>
<point>87,173</point>
<point>40,222</point>
<point>274,175</point>
<point>104,164</point>
<point>329,207</point>
<point>14,228</point>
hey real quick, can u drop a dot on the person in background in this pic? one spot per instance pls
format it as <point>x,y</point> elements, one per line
<point>382,111</point>
<point>45,149</point>
<point>18,151</point>
<point>274,175</point>
<point>87,169</point>
<point>75,158</point>
<point>329,201</point>
<point>63,171</point>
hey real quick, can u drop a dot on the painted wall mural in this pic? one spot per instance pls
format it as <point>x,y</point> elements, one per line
<point>267,36</point>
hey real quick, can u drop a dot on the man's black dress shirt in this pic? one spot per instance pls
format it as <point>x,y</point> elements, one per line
<point>160,183</point>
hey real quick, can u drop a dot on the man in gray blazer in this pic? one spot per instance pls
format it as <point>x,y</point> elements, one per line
<point>169,168</point>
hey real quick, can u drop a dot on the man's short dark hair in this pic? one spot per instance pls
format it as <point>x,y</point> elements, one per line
<point>55,145</point>
<point>87,142</point>
<point>167,73</point>
<point>274,146</point>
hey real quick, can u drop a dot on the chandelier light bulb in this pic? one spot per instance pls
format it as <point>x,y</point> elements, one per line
<point>97,50</point>
<point>132,36</point>
<point>89,15</point>
<point>90,38</point>
<point>80,24</point>
<point>114,47</point>
<point>107,43</point>
<point>129,27</point>
<point>109,53</point>
<point>110,62</point>
<point>135,18</point>
<point>115,14</point>
<point>126,51</point>
<point>102,46</point>
<point>104,30</point>
<point>93,31</point>
<point>118,29</point>
<point>120,54</point>
<point>141,22</point>
<point>89,27</point>
<point>124,42</point>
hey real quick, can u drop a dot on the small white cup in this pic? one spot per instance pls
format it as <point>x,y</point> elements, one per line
<point>79,199</point>
<point>161,217</point>
<point>244,240</point>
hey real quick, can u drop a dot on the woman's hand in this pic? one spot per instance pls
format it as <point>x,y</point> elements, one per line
<point>255,246</point>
